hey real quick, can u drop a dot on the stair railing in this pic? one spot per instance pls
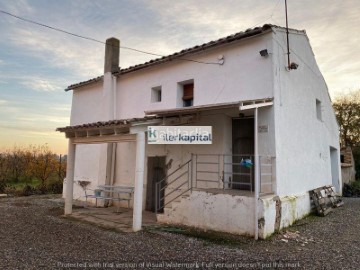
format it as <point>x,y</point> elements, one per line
<point>179,181</point>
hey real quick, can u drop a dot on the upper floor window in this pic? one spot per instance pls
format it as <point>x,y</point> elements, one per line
<point>188,94</point>
<point>318,110</point>
<point>156,94</point>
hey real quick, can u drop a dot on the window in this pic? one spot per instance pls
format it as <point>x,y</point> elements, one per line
<point>318,110</point>
<point>188,94</point>
<point>156,94</point>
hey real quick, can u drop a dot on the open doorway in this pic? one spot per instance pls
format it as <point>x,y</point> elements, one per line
<point>155,173</point>
<point>334,159</point>
<point>243,151</point>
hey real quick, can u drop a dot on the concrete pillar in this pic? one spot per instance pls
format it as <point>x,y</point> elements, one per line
<point>257,171</point>
<point>70,166</point>
<point>139,181</point>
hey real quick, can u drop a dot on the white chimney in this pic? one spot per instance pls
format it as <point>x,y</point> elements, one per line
<point>111,65</point>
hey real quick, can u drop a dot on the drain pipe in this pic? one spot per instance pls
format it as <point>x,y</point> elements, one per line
<point>256,195</point>
<point>114,145</point>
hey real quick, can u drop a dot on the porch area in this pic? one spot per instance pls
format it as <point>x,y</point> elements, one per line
<point>220,192</point>
<point>113,218</point>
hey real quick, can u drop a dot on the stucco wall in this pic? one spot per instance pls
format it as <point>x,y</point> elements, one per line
<point>86,103</point>
<point>218,212</point>
<point>86,168</point>
<point>235,213</point>
<point>236,79</point>
<point>289,209</point>
<point>302,141</point>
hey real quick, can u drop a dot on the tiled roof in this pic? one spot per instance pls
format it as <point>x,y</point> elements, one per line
<point>100,124</point>
<point>76,85</point>
<point>178,55</point>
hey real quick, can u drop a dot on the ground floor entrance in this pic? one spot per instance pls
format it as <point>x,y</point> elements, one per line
<point>155,173</point>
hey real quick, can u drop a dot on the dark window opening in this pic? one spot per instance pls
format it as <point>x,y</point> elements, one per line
<point>156,94</point>
<point>188,94</point>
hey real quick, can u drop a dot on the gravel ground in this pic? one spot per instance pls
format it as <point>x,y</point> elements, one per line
<point>35,235</point>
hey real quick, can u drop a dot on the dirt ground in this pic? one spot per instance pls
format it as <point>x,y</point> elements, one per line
<point>35,235</point>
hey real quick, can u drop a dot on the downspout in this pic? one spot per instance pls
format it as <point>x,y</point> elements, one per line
<point>114,145</point>
<point>111,65</point>
<point>256,196</point>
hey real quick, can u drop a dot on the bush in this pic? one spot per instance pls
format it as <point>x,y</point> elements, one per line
<point>27,191</point>
<point>55,187</point>
<point>352,190</point>
<point>2,186</point>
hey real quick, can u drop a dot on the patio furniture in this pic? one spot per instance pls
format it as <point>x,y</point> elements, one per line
<point>112,193</point>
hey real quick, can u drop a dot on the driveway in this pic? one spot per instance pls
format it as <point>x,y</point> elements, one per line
<point>35,235</point>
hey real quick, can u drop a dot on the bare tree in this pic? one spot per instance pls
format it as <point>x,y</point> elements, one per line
<point>347,110</point>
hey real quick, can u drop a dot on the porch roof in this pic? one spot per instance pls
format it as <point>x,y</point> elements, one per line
<point>105,131</point>
<point>176,116</point>
<point>242,105</point>
<point>121,123</point>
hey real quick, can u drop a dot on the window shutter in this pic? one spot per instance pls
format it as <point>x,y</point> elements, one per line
<point>188,91</point>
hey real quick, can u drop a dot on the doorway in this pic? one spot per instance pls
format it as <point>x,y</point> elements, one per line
<point>156,173</point>
<point>334,159</point>
<point>243,151</point>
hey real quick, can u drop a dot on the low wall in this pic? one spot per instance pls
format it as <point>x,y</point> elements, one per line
<point>218,212</point>
<point>276,213</point>
<point>235,214</point>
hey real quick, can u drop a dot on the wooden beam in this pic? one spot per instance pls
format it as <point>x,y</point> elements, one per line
<point>105,139</point>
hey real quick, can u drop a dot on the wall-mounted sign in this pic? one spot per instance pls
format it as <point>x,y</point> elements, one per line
<point>263,129</point>
<point>179,135</point>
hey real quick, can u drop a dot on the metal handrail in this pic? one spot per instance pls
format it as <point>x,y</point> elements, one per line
<point>162,185</point>
<point>222,169</point>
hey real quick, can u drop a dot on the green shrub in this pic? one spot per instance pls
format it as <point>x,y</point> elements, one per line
<point>352,190</point>
<point>54,186</point>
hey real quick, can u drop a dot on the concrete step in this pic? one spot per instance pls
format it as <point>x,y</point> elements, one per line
<point>173,205</point>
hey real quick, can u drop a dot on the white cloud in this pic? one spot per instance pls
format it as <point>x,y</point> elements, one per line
<point>2,101</point>
<point>61,51</point>
<point>39,84</point>
<point>18,6</point>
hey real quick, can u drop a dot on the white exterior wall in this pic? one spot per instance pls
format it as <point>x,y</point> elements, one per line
<point>212,84</point>
<point>218,212</point>
<point>302,141</point>
<point>293,207</point>
<point>238,79</point>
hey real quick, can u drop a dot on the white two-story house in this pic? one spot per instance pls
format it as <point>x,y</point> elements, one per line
<point>263,109</point>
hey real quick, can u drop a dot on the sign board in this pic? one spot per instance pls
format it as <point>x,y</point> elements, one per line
<point>179,135</point>
<point>263,129</point>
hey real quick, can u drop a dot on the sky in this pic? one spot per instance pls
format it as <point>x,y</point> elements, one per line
<point>37,63</point>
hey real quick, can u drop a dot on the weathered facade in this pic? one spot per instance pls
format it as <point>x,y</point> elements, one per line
<point>280,119</point>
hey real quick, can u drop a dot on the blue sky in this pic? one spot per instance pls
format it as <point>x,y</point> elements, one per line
<point>37,64</point>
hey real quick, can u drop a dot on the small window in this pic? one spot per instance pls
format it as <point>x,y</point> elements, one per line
<point>342,158</point>
<point>188,94</point>
<point>318,110</point>
<point>156,94</point>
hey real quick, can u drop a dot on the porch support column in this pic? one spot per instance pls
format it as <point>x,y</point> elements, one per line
<point>139,181</point>
<point>257,176</point>
<point>70,165</point>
